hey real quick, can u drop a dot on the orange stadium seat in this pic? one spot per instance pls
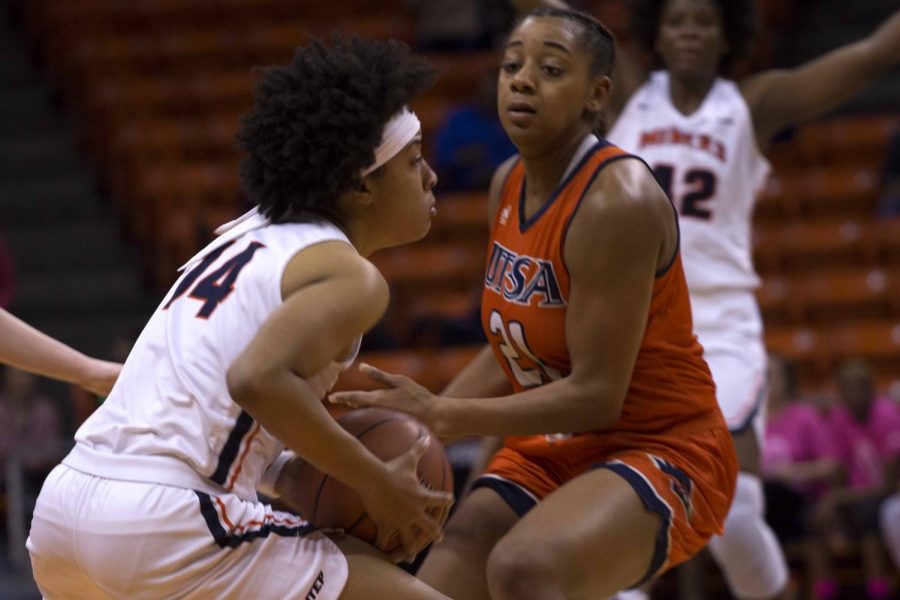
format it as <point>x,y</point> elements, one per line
<point>834,294</point>
<point>886,232</point>
<point>777,301</point>
<point>462,215</point>
<point>815,243</point>
<point>877,341</point>
<point>847,140</point>
<point>835,190</point>
<point>807,347</point>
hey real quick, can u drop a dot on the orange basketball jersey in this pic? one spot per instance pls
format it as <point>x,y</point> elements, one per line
<point>524,306</point>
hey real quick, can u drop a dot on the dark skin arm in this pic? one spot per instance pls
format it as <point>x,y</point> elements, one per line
<point>822,84</point>
<point>331,296</point>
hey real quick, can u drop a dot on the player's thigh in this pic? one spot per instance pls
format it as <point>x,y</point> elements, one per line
<point>594,534</point>
<point>372,576</point>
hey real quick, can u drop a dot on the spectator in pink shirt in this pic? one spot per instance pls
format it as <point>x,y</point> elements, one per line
<point>799,465</point>
<point>865,429</point>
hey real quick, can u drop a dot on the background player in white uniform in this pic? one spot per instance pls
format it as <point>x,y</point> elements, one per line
<point>702,134</point>
<point>159,496</point>
<point>24,347</point>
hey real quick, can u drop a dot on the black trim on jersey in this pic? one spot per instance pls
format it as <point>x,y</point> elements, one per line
<point>224,539</point>
<point>511,493</point>
<point>565,233</point>
<point>652,503</point>
<point>671,262</point>
<point>230,450</point>
<point>525,224</point>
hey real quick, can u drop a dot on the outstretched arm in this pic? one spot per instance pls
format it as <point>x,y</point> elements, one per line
<point>24,347</point>
<point>780,98</point>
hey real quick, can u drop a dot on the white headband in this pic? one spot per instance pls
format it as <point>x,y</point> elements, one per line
<point>398,132</point>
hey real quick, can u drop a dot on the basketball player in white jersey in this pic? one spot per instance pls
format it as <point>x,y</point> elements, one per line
<point>704,135</point>
<point>158,499</point>
<point>24,347</point>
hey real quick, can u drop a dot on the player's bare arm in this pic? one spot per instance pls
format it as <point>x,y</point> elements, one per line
<point>626,212</point>
<point>822,84</point>
<point>24,347</point>
<point>347,295</point>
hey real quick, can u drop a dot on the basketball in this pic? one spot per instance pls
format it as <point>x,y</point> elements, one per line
<point>328,503</point>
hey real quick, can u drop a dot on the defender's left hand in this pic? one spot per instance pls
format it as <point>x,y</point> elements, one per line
<point>400,393</point>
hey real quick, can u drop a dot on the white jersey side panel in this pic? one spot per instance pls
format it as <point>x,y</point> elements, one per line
<point>170,418</point>
<point>710,165</point>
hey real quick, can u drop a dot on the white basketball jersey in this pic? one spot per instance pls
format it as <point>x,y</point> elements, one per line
<point>170,418</point>
<point>710,166</point>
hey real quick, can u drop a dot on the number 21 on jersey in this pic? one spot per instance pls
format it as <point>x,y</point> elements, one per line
<point>514,347</point>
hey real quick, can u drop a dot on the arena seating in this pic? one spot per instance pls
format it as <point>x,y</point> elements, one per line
<point>159,86</point>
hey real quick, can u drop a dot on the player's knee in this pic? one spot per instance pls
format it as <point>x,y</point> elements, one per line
<point>748,551</point>
<point>517,571</point>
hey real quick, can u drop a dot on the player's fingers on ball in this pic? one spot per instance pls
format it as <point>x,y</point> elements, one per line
<point>418,448</point>
<point>375,373</point>
<point>382,537</point>
<point>352,399</point>
<point>408,543</point>
<point>442,501</point>
<point>397,556</point>
<point>388,379</point>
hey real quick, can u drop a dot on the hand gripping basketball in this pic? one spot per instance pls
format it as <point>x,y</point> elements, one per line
<point>405,508</point>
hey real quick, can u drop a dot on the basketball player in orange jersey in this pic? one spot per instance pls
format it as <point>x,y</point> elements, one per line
<point>26,348</point>
<point>617,463</point>
<point>704,135</point>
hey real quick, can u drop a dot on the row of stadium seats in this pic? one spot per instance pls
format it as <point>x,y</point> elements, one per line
<point>161,87</point>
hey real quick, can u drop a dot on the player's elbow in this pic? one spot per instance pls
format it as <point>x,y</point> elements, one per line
<point>601,408</point>
<point>245,384</point>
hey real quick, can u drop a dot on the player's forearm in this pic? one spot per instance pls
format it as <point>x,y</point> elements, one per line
<point>559,407</point>
<point>885,44</point>
<point>26,348</point>
<point>288,408</point>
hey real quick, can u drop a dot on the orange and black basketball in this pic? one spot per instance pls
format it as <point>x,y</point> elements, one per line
<point>329,503</point>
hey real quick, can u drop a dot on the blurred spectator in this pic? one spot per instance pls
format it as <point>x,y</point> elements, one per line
<point>865,429</point>
<point>799,465</point>
<point>31,432</point>
<point>470,144</point>
<point>889,206</point>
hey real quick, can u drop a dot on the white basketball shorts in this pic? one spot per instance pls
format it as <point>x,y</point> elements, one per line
<point>729,327</point>
<point>104,538</point>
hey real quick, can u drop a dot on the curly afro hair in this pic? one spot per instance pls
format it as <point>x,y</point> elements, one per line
<point>317,121</point>
<point>739,22</point>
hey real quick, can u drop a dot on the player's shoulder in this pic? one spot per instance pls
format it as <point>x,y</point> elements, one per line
<point>626,183</point>
<point>329,261</point>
